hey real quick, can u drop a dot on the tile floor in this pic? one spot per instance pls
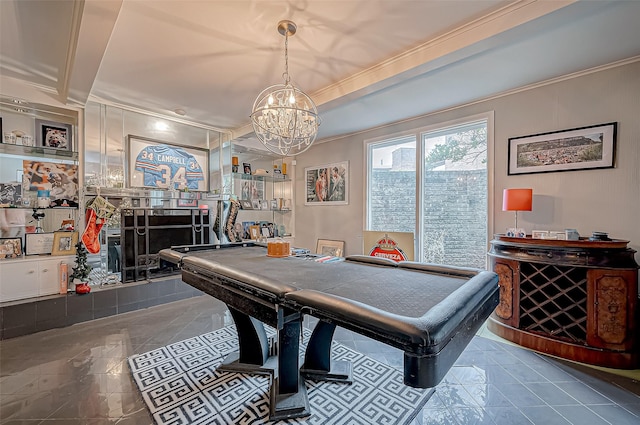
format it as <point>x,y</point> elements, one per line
<point>79,375</point>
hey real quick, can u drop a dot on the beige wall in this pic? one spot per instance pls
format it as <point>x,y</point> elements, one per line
<point>590,200</point>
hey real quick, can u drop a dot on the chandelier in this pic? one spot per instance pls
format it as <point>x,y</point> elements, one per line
<point>284,118</point>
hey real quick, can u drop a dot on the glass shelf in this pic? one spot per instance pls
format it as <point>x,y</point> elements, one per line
<point>267,178</point>
<point>20,207</point>
<point>37,151</point>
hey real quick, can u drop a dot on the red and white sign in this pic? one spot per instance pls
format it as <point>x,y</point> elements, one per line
<point>388,248</point>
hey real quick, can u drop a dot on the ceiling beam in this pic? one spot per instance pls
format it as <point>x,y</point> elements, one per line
<point>92,35</point>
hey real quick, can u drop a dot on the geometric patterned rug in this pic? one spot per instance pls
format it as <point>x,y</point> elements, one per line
<point>180,385</point>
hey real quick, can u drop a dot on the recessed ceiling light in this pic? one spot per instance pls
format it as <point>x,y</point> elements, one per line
<point>180,112</point>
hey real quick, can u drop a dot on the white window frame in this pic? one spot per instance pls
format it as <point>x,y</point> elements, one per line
<point>418,134</point>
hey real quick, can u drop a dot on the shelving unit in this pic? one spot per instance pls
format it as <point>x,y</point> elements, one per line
<point>265,198</point>
<point>35,275</point>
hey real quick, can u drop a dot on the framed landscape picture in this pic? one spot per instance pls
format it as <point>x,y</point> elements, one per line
<point>568,150</point>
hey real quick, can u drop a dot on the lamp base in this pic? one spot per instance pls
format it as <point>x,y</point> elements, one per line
<point>514,232</point>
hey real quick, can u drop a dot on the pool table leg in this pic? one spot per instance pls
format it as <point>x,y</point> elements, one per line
<point>253,351</point>
<point>318,365</point>
<point>288,393</point>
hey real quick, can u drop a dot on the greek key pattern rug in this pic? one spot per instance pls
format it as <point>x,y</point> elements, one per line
<point>180,385</point>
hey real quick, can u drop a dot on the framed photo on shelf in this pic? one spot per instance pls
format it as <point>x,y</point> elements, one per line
<point>327,184</point>
<point>159,165</point>
<point>50,134</point>
<point>64,243</point>
<point>10,194</point>
<point>246,226</point>
<point>567,150</point>
<point>246,204</point>
<point>246,168</point>
<point>330,247</point>
<point>10,247</point>
<point>254,231</point>
<point>188,203</point>
<point>38,243</point>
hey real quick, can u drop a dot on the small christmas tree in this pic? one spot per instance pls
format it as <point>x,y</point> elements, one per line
<point>82,269</point>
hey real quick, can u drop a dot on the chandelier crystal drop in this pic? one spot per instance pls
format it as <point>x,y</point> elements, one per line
<point>284,118</point>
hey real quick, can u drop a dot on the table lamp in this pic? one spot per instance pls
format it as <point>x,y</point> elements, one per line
<point>517,200</point>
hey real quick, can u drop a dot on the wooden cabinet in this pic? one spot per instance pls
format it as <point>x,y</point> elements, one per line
<point>30,277</point>
<point>572,299</point>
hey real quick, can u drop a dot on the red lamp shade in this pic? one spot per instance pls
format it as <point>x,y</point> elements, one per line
<point>517,199</point>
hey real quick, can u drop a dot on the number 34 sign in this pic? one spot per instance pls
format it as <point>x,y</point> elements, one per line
<point>164,166</point>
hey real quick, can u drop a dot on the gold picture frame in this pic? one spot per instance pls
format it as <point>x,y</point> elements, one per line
<point>254,232</point>
<point>64,243</point>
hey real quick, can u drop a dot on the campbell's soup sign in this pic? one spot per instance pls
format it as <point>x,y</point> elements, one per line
<point>387,247</point>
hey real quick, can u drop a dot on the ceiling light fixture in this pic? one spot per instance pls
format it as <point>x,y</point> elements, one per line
<point>284,118</point>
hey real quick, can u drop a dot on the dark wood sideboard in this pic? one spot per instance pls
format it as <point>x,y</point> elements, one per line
<point>572,299</point>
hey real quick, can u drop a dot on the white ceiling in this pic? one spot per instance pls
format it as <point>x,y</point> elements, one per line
<point>365,63</point>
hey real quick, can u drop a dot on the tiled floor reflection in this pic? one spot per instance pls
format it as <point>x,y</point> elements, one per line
<point>79,375</point>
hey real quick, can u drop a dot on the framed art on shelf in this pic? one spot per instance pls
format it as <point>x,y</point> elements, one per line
<point>330,247</point>
<point>61,180</point>
<point>38,243</point>
<point>327,184</point>
<point>10,194</point>
<point>254,231</point>
<point>64,243</point>
<point>155,164</point>
<point>188,203</point>
<point>567,150</point>
<point>10,247</point>
<point>50,134</point>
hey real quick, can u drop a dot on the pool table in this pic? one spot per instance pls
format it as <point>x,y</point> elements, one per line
<point>431,312</point>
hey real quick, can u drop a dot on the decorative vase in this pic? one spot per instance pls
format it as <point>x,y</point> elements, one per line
<point>82,288</point>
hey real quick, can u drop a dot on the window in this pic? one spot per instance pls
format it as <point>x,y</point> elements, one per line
<point>391,200</point>
<point>447,208</point>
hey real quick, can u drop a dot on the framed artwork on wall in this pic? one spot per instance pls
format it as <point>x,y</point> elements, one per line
<point>327,184</point>
<point>159,165</point>
<point>567,150</point>
<point>50,134</point>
